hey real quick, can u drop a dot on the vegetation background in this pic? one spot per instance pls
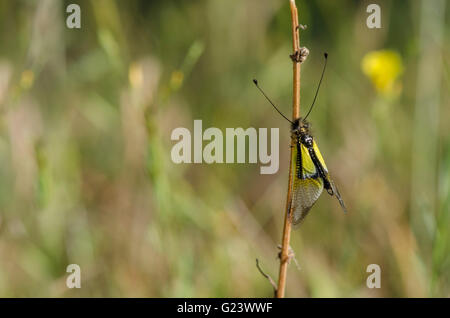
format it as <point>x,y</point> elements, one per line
<point>86,176</point>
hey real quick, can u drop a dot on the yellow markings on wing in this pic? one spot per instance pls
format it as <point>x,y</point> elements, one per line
<point>327,176</point>
<point>309,169</point>
<point>319,156</point>
<point>306,191</point>
<point>308,188</point>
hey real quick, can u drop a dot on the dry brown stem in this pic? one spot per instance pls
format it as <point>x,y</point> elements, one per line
<point>296,60</point>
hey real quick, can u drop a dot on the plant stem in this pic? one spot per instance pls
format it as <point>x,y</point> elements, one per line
<point>284,255</point>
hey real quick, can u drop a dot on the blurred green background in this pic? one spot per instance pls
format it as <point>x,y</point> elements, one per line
<point>86,175</point>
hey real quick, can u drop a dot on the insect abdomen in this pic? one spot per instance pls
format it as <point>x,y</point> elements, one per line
<point>299,161</point>
<point>321,170</point>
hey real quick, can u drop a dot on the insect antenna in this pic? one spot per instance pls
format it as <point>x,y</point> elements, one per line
<point>256,84</point>
<point>318,87</point>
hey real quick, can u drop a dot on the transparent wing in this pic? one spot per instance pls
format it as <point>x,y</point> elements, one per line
<point>337,194</point>
<point>305,194</point>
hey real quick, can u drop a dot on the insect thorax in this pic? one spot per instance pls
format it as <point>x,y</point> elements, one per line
<point>300,131</point>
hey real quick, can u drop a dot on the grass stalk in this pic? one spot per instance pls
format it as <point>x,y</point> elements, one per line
<point>284,255</point>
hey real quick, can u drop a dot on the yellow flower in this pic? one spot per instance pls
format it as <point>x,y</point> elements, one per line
<point>383,68</point>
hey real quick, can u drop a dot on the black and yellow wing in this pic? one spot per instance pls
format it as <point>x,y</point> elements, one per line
<point>307,184</point>
<point>310,177</point>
